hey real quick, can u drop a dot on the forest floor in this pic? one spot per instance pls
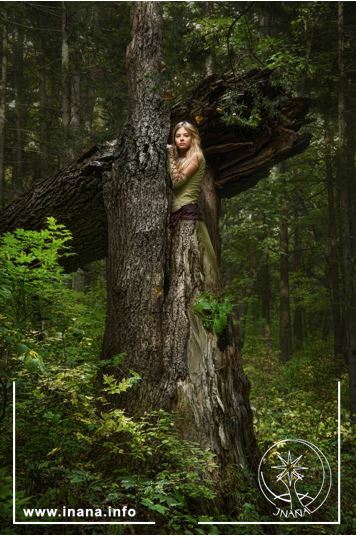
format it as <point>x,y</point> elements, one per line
<point>302,398</point>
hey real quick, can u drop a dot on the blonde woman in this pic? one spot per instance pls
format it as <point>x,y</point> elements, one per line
<point>187,168</point>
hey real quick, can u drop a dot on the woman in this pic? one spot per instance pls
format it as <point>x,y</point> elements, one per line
<point>187,168</point>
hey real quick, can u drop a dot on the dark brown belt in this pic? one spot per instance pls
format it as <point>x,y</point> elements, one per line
<point>191,211</point>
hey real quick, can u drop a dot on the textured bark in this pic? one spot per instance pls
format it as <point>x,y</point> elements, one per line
<point>238,156</point>
<point>202,375</point>
<point>74,194</point>
<point>155,277</point>
<point>75,197</point>
<point>137,208</point>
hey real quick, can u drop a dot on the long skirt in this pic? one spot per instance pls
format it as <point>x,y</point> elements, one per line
<point>189,233</point>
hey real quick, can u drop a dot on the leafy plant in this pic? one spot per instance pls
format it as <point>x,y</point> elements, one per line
<point>75,447</point>
<point>213,311</point>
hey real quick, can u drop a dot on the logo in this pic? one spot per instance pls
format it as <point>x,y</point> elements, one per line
<point>294,476</point>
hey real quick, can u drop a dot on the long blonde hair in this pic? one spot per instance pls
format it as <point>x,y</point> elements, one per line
<point>194,150</point>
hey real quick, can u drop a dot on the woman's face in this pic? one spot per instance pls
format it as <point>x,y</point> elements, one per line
<point>183,139</point>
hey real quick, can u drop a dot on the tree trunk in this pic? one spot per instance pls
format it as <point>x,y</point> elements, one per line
<point>136,207</point>
<point>43,110</point>
<point>298,310</point>
<point>17,179</point>
<point>65,79</point>
<point>88,99</point>
<point>3,110</point>
<point>351,175</point>
<point>265,294</point>
<point>154,280</point>
<point>75,103</point>
<point>333,257</point>
<point>285,332</point>
<point>345,169</point>
<point>87,85</point>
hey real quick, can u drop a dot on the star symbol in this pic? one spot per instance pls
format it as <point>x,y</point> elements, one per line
<point>290,468</point>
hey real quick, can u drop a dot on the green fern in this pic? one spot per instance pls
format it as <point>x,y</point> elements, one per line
<point>213,311</point>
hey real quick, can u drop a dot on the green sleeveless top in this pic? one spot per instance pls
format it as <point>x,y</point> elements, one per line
<point>188,190</point>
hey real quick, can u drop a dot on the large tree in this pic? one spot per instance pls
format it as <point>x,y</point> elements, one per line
<point>154,280</point>
<point>115,200</point>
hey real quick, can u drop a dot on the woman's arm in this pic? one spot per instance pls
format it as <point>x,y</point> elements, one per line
<point>179,178</point>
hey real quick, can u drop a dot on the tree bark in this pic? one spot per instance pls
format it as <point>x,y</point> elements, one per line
<point>136,207</point>
<point>154,280</point>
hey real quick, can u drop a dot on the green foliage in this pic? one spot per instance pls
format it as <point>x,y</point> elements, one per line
<point>83,451</point>
<point>6,501</point>
<point>32,291</point>
<point>302,403</point>
<point>30,273</point>
<point>74,446</point>
<point>238,113</point>
<point>213,311</point>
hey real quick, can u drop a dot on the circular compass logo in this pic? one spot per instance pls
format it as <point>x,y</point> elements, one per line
<point>294,476</point>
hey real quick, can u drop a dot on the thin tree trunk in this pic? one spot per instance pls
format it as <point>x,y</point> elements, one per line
<point>19,111</point>
<point>75,102</point>
<point>352,221</point>
<point>298,310</point>
<point>155,279</point>
<point>3,110</point>
<point>333,257</point>
<point>88,97</point>
<point>87,86</point>
<point>43,111</point>
<point>344,169</point>
<point>65,80</point>
<point>265,293</point>
<point>285,332</point>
